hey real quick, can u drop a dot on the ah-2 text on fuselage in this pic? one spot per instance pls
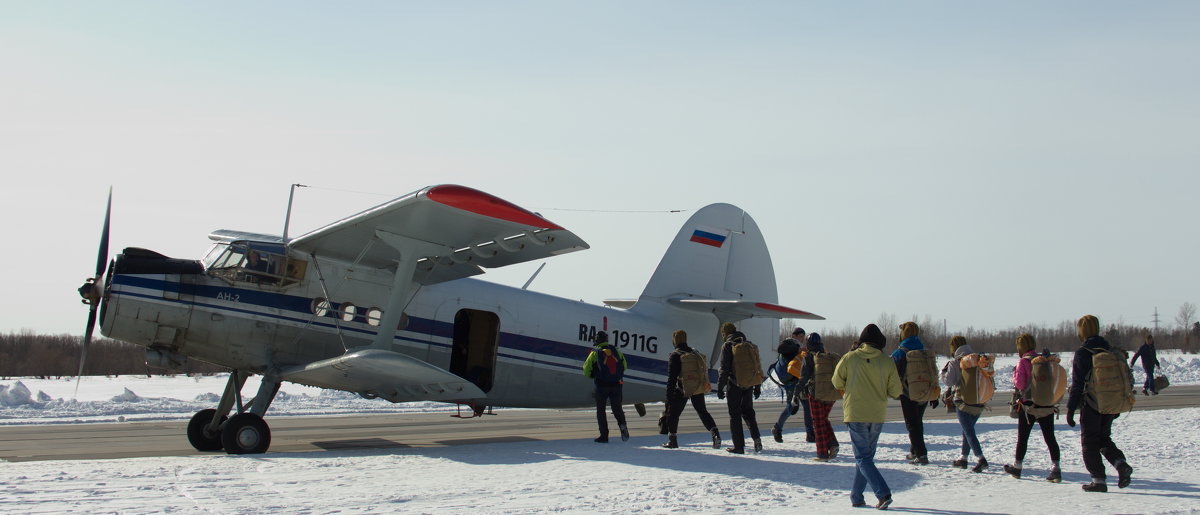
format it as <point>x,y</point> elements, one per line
<point>382,304</point>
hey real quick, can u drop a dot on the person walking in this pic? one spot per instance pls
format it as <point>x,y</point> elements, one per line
<point>605,365</point>
<point>968,410</point>
<point>740,399</point>
<point>787,350</point>
<point>913,411</point>
<point>827,444</point>
<point>867,379</point>
<point>1149,363</point>
<point>1095,430</point>
<point>1029,412</point>
<point>678,394</point>
<point>799,335</point>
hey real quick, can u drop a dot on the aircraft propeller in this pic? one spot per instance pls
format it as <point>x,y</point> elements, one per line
<point>93,289</point>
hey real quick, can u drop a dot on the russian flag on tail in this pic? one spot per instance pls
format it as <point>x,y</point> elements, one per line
<point>709,236</point>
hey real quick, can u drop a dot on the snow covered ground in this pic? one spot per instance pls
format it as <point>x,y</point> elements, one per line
<point>572,475</point>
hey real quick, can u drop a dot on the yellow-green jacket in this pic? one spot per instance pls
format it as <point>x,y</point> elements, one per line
<point>867,377</point>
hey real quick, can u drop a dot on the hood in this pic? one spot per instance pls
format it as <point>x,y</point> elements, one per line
<point>963,350</point>
<point>912,343</point>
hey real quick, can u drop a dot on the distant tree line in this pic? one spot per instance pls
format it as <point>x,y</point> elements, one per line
<point>27,354</point>
<point>1060,338</point>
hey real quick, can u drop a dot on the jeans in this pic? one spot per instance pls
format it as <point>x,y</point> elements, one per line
<point>864,437</point>
<point>1149,379</point>
<point>970,442</point>
<point>788,390</point>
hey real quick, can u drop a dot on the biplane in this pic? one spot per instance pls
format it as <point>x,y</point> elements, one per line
<point>384,303</point>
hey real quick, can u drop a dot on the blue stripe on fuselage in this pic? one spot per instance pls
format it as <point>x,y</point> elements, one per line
<point>301,309</point>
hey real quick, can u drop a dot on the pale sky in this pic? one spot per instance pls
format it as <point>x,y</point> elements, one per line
<point>988,164</point>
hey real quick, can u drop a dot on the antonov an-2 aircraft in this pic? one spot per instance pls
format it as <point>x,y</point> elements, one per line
<point>382,304</point>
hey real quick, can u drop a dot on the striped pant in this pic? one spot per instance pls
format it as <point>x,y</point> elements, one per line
<point>821,427</point>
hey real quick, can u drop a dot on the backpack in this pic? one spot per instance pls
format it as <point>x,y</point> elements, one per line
<point>608,365</point>
<point>823,365</point>
<point>976,386</point>
<point>780,368</point>
<point>920,376</point>
<point>1047,381</point>
<point>1110,385</point>
<point>747,369</point>
<point>693,374</point>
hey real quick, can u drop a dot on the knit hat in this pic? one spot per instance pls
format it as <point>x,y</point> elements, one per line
<point>956,341</point>
<point>1025,343</point>
<point>908,330</point>
<point>601,337</point>
<point>678,337</point>
<point>813,343</point>
<point>873,336</point>
<point>1088,326</point>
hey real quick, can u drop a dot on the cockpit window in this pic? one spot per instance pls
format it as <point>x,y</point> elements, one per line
<point>254,262</point>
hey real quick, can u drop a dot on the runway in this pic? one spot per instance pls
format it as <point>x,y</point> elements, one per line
<point>307,434</point>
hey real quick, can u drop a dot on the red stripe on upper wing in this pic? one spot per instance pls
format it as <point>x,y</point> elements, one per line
<point>780,309</point>
<point>480,203</point>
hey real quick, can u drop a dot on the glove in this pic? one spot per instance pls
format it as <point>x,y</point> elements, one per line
<point>720,394</point>
<point>757,391</point>
<point>933,404</point>
<point>1071,418</point>
<point>793,406</point>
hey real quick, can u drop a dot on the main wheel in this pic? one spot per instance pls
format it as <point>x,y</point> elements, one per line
<point>199,436</point>
<point>246,433</point>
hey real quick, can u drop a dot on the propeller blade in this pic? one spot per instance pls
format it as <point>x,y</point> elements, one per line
<point>102,258</point>
<point>87,342</point>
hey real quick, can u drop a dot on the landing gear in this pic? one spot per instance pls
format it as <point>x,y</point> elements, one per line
<point>246,433</point>
<point>198,433</point>
<point>243,433</point>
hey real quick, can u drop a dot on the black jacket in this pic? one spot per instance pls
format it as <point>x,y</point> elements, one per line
<point>674,367</point>
<point>1081,370</point>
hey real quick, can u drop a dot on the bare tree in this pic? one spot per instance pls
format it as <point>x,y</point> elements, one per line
<point>1187,312</point>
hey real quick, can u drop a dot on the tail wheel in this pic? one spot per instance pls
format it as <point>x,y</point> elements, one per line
<point>246,433</point>
<point>198,434</point>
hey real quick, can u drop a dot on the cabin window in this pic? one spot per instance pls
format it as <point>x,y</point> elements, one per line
<point>374,316</point>
<point>349,311</point>
<point>320,306</point>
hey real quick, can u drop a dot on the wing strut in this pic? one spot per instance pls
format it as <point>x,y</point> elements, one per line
<point>404,288</point>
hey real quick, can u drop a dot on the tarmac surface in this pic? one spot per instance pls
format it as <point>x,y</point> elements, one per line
<point>306,434</point>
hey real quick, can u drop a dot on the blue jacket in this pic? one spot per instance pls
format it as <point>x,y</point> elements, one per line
<point>900,355</point>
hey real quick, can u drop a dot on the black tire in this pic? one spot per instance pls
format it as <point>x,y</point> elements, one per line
<point>198,437</point>
<point>246,433</point>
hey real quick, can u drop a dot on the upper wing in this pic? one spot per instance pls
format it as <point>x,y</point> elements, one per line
<point>456,230</point>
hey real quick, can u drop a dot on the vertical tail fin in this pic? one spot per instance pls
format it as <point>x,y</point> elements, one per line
<point>718,263</point>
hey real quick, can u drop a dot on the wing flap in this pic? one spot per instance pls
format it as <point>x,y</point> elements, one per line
<point>386,374</point>
<point>741,309</point>
<point>461,231</point>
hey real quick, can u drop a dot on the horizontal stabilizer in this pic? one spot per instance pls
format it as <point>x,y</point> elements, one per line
<point>620,303</point>
<point>741,309</point>
<point>386,374</point>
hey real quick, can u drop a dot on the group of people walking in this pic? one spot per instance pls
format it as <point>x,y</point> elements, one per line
<point>865,379</point>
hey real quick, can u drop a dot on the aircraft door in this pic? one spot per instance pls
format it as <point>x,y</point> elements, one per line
<point>473,353</point>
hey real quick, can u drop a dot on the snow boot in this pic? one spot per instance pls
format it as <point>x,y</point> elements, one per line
<point>672,442</point>
<point>601,439</point>
<point>735,450</point>
<point>810,438</point>
<point>884,503</point>
<point>980,465</point>
<point>833,452</point>
<point>1095,486</point>
<point>757,445</point>
<point>960,463</point>
<point>1124,474</point>
<point>716,437</point>
<point>1055,475</point>
<point>624,433</point>
<point>1012,471</point>
<point>777,433</point>
<point>919,460</point>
